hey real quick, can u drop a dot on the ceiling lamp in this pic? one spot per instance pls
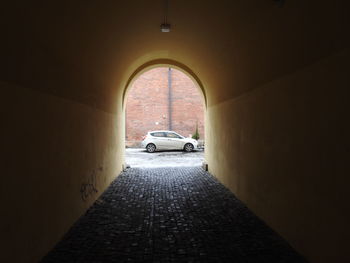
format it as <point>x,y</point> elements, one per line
<point>165,27</point>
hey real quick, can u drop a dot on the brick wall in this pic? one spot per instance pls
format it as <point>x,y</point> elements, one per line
<point>147,106</point>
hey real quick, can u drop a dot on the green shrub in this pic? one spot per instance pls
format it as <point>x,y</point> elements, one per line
<point>196,134</point>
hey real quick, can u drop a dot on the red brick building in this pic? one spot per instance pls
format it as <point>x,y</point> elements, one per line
<point>163,99</point>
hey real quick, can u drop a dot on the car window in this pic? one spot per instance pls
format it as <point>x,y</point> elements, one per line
<point>173,135</point>
<point>158,134</point>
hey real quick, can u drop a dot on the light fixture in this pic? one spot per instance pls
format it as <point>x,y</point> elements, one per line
<point>165,26</point>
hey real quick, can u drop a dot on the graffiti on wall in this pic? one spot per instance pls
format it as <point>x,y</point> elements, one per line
<point>89,187</point>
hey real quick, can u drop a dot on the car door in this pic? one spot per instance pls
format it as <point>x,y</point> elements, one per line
<point>160,140</point>
<point>174,140</point>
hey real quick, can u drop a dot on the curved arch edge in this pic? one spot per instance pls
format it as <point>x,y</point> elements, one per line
<point>163,63</point>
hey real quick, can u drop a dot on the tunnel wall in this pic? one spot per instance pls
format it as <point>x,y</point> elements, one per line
<point>263,82</point>
<point>60,155</point>
<point>282,149</point>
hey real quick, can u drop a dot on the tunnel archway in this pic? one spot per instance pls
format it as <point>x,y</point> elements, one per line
<point>276,94</point>
<point>164,95</point>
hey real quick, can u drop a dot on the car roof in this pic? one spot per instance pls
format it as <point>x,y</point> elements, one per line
<point>165,131</point>
<point>162,131</point>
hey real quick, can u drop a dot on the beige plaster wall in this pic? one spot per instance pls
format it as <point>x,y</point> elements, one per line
<point>59,156</point>
<point>283,149</point>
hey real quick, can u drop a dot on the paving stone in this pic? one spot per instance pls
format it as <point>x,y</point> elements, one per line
<point>170,215</point>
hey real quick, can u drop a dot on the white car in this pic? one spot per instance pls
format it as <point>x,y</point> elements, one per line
<point>167,140</point>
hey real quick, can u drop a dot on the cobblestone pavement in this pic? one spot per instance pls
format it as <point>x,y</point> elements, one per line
<point>170,215</point>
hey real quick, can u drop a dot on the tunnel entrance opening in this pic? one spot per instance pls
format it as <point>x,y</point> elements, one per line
<point>164,119</point>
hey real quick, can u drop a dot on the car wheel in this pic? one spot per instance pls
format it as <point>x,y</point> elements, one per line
<point>150,147</point>
<point>188,147</point>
